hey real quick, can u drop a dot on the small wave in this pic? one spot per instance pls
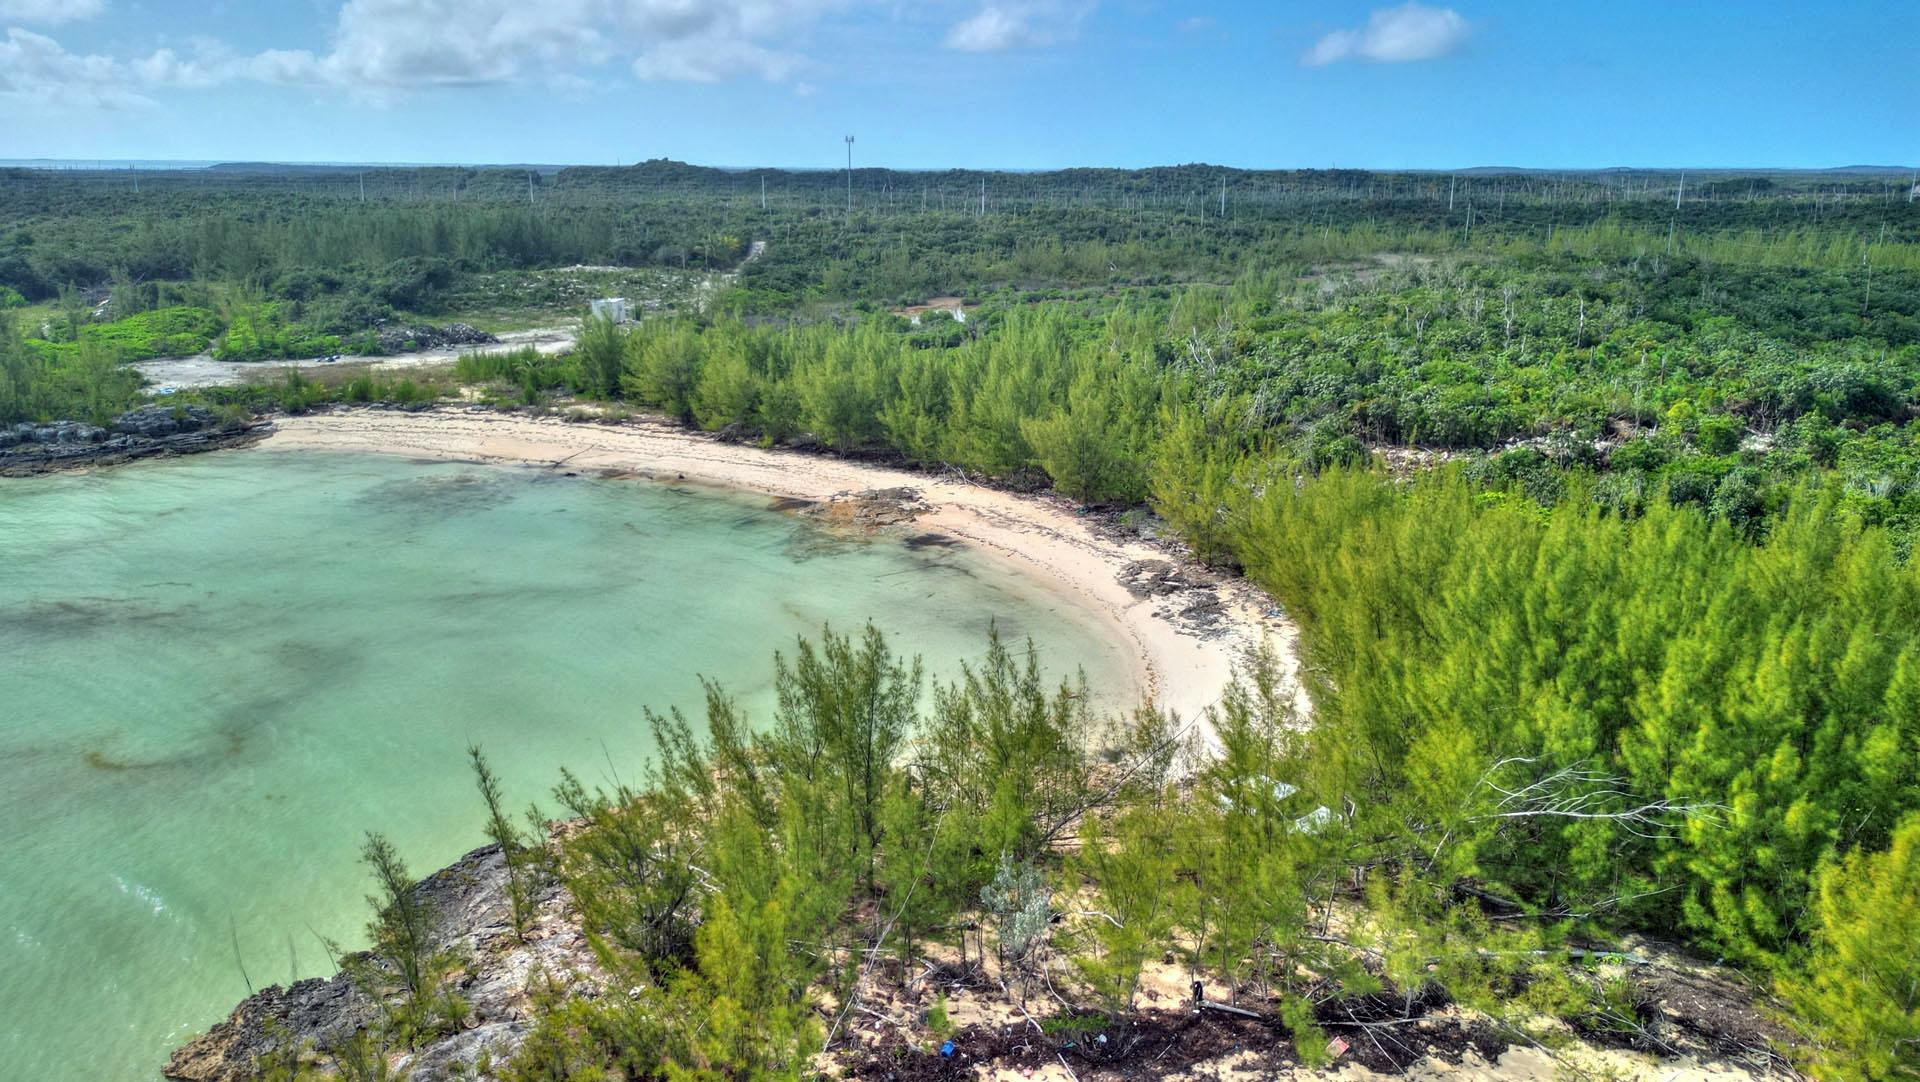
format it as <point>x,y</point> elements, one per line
<point>145,893</point>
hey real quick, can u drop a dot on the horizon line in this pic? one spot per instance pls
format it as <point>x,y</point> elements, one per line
<point>52,164</point>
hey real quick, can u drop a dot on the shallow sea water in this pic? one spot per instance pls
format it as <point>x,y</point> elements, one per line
<point>217,672</point>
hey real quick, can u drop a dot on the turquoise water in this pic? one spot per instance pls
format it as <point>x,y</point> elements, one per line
<point>217,672</point>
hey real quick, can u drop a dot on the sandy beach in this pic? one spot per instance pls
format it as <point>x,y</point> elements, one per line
<point>1178,665</point>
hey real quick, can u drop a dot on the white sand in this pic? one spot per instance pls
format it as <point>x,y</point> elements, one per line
<point>1177,668</point>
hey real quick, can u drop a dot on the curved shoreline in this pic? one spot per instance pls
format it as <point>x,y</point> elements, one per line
<point>1178,667</point>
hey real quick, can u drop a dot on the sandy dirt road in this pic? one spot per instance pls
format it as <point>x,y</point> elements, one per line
<point>202,370</point>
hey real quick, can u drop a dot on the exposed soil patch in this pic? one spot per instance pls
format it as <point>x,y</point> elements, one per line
<point>914,312</point>
<point>1158,1043</point>
<point>1153,1045</point>
<point>1678,1008</point>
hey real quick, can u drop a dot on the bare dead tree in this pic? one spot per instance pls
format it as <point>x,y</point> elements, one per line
<point>1581,792</point>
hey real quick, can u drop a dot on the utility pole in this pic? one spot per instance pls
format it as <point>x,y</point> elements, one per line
<point>983,196</point>
<point>1866,260</point>
<point>1679,191</point>
<point>763,191</point>
<point>1223,197</point>
<point>529,187</point>
<point>849,174</point>
<point>363,187</point>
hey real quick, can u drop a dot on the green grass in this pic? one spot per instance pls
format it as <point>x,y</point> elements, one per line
<point>164,332</point>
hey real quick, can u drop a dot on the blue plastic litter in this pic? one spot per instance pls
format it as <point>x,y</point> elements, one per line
<point>946,1050</point>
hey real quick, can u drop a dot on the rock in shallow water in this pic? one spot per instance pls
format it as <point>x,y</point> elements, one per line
<point>869,509</point>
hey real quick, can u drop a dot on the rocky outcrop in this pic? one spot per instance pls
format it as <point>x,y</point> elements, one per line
<point>870,509</point>
<point>153,431</point>
<point>54,434</point>
<point>418,336</point>
<point>315,1012</point>
<point>474,919</point>
<point>149,422</point>
<point>156,421</point>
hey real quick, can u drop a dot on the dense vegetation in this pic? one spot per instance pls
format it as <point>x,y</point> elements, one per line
<point>1595,500</point>
<point>1657,668</point>
<point>303,262</point>
<point>768,865</point>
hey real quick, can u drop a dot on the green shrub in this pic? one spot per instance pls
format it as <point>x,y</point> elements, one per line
<point>1856,998</point>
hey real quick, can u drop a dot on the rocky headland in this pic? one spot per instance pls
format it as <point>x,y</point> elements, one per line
<point>1694,1022</point>
<point>148,432</point>
<point>311,1020</point>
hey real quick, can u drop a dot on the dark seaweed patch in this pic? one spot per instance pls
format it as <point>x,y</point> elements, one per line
<point>811,544</point>
<point>438,495</point>
<point>302,671</point>
<point>78,616</point>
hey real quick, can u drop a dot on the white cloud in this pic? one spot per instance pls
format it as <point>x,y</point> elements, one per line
<point>712,60</point>
<point>384,45</point>
<point>1411,31</point>
<point>994,28</point>
<point>38,70</point>
<point>570,86</point>
<point>378,50</point>
<point>210,67</point>
<point>50,12</point>
<point>1001,26</point>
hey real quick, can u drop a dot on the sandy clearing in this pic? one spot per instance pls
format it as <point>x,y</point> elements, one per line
<point>1177,668</point>
<point>203,371</point>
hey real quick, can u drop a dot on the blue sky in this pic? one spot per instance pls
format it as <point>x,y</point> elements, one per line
<point>975,83</point>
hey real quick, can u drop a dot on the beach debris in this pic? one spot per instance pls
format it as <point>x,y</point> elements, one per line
<point>1162,578</point>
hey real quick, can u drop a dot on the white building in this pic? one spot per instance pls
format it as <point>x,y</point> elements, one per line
<point>614,308</point>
